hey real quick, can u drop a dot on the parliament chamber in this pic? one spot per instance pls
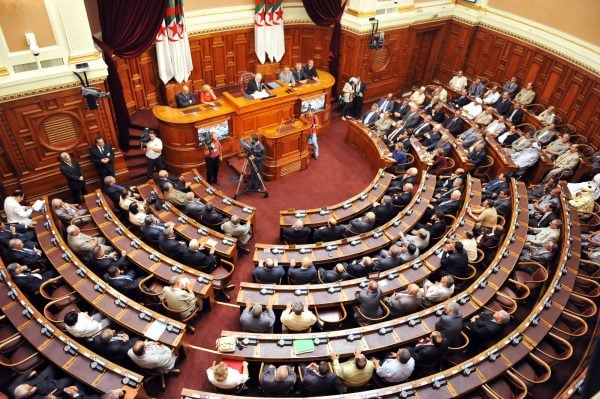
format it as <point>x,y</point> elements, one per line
<point>333,199</point>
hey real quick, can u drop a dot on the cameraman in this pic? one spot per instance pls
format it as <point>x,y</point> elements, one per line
<point>257,154</point>
<point>213,157</point>
<point>153,150</point>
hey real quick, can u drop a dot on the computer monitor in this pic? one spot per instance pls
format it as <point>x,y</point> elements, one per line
<point>313,103</point>
<point>222,129</point>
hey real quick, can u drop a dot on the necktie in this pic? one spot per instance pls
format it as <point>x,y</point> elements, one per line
<point>393,135</point>
<point>383,106</point>
<point>513,114</point>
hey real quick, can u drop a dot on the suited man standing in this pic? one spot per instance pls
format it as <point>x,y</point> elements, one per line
<point>450,324</point>
<point>103,157</point>
<point>185,98</point>
<point>359,94</point>
<point>255,84</point>
<point>74,174</point>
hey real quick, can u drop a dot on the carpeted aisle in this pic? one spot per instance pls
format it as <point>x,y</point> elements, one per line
<point>339,173</point>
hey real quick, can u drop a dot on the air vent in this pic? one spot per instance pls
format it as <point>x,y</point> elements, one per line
<point>381,11</point>
<point>52,63</point>
<point>30,66</point>
<point>60,129</point>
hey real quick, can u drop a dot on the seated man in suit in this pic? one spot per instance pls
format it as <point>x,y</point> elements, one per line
<point>318,379</point>
<point>255,319</point>
<point>297,318</point>
<point>83,244</point>
<point>543,254</point>
<point>368,301</point>
<point>444,184</point>
<point>180,296</point>
<point>402,199</point>
<point>32,257</point>
<point>185,97</point>
<point>310,70</point>
<point>29,282</point>
<point>125,282</point>
<point>113,190</point>
<point>305,274</point>
<point>238,230</point>
<point>298,73</point>
<point>178,183</point>
<point>67,212</point>
<point>370,117</point>
<point>38,385</point>
<point>419,237</point>
<point>429,350</point>
<point>396,368</point>
<point>287,77</point>
<point>454,124</point>
<point>170,246</point>
<point>297,233</point>
<point>488,242</point>
<point>436,225</point>
<point>361,224</point>
<point>405,302</point>
<point>154,356</point>
<point>277,381</point>
<point>195,257</point>
<point>100,261</point>
<point>493,187</point>
<point>212,218</point>
<point>454,260</point>
<point>565,163</point>
<point>112,344</point>
<point>450,324</point>
<point>541,235</point>
<point>551,212</point>
<point>338,273</point>
<point>546,134</point>
<point>384,211</point>
<point>515,115</point>
<point>485,327</point>
<point>511,86</point>
<point>386,104</point>
<point>401,109</point>
<point>503,202</point>
<point>398,182</point>
<point>152,229</point>
<point>447,206</point>
<point>359,268</point>
<point>8,232</point>
<point>478,156</point>
<point>526,95</point>
<point>412,118</point>
<point>192,206</point>
<point>388,259</point>
<point>439,291</point>
<point>331,232</point>
<point>268,272</point>
<point>255,84</point>
<point>353,373</point>
<point>383,124</point>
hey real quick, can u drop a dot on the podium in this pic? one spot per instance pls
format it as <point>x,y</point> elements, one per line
<point>286,149</point>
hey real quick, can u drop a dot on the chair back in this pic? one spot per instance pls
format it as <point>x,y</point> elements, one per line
<point>245,78</point>
<point>222,275</point>
<point>331,318</point>
<point>482,170</point>
<point>365,320</point>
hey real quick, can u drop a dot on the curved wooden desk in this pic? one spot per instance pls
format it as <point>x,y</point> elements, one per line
<point>368,144</point>
<point>178,126</point>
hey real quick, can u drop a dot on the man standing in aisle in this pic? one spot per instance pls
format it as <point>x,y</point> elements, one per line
<point>103,157</point>
<point>74,174</point>
<point>359,94</point>
<point>153,150</point>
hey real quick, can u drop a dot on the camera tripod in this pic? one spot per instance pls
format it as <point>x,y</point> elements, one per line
<point>262,189</point>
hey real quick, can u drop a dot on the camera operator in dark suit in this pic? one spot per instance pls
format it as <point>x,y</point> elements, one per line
<point>257,154</point>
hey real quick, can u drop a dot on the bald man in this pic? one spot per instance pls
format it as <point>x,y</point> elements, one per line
<point>255,84</point>
<point>185,98</point>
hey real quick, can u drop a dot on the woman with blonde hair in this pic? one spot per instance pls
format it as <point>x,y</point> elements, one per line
<point>207,95</point>
<point>224,377</point>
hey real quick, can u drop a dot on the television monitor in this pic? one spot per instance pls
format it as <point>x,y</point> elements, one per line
<point>222,129</point>
<point>314,103</point>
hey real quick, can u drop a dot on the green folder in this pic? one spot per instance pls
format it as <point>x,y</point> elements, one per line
<point>303,346</point>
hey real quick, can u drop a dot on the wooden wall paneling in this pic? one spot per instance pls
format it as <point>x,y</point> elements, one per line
<point>149,81</point>
<point>456,41</point>
<point>37,129</point>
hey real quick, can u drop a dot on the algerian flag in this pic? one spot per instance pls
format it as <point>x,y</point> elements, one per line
<point>260,30</point>
<point>277,47</point>
<point>172,45</point>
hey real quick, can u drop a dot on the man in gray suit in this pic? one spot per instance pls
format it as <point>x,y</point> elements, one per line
<point>361,224</point>
<point>255,319</point>
<point>450,324</point>
<point>277,381</point>
<point>368,302</point>
<point>192,206</point>
<point>406,302</point>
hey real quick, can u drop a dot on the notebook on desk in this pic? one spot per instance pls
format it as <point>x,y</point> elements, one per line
<point>303,346</point>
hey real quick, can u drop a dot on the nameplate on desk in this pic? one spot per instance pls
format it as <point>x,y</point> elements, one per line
<point>304,250</point>
<point>346,205</point>
<point>203,232</point>
<point>515,339</point>
<point>130,380</point>
<point>324,212</point>
<point>331,247</point>
<point>284,342</point>
<point>227,241</point>
<point>249,341</point>
<point>177,269</point>
<point>203,279</point>
<point>120,302</point>
<point>355,242</point>
<point>197,179</point>
<point>71,348</point>
<point>438,382</point>
<point>493,354</point>
<point>119,230</point>
<point>210,191</point>
<point>353,337</point>
<point>363,197</point>
<point>397,223</point>
<point>247,210</point>
<point>227,201</point>
<point>407,392</point>
<point>190,110</point>
<point>182,220</point>
<point>414,321</point>
<point>467,368</point>
<point>301,291</point>
<point>377,234</point>
<point>439,310</point>
<point>47,331</point>
<point>334,289</point>
<point>393,275</point>
<point>464,299</point>
<point>383,330</point>
<point>98,365</point>
<point>267,291</point>
<point>277,251</point>
<point>375,186</point>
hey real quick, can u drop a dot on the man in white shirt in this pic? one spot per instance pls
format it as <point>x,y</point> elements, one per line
<point>438,292</point>
<point>470,246</point>
<point>491,96</point>
<point>497,127</point>
<point>153,150</point>
<point>458,82</point>
<point>15,212</point>
<point>473,109</point>
<point>154,356</point>
<point>395,369</point>
<point>82,325</point>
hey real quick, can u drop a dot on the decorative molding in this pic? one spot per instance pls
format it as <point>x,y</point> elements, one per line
<point>47,89</point>
<point>3,71</point>
<point>85,57</point>
<point>360,14</point>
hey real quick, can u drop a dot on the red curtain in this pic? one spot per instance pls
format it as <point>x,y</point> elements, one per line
<point>327,13</point>
<point>128,29</point>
